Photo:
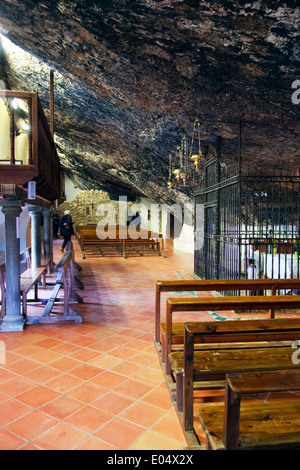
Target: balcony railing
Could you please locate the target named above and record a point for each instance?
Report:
(27, 149)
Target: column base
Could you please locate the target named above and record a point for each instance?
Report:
(9, 325)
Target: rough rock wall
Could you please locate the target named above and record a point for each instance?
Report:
(131, 77)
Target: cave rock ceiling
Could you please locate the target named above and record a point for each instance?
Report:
(131, 77)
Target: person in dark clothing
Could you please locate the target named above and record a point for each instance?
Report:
(56, 219)
(135, 220)
(66, 230)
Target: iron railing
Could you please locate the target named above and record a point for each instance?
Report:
(242, 209)
(38, 159)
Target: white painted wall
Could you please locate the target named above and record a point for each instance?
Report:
(185, 242)
(70, 190)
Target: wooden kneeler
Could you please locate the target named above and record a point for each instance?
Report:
(64, 280)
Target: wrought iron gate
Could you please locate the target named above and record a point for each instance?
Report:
(241, 210)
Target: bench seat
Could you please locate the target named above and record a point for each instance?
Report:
(28, 280)
(191, 366)
(212, 364)
(244, 422)
(262, 427)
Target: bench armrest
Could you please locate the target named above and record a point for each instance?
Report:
(258, 382)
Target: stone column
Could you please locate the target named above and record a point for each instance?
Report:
(13, 319)
(47, 231)
(35, 213)
(51, 230)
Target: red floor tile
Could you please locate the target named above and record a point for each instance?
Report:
(97, 385)
(60, 437)
(16, 386)
(113, 403)
(38, 396)
(11, 410)
(119, 433)
(133, 388)
(87, 392)
(89, 419)
(31, 425)
(92, 443)
(61, 407)
(9, 441)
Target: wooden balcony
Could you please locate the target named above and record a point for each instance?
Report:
(27, 149)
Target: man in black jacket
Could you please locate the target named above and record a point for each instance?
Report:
(66, 230)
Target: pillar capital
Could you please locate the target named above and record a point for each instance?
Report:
(47, 211)
(11, 207)
(35, 210)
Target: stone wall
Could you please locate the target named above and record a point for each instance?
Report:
(84, 208)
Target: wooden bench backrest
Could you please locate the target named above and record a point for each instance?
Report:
(229, 332)
(65, 261)
(25, 256)
(119, 233)
(220, 285)
(242, 331)
(190, 304)
(266, 381)
(249, 383)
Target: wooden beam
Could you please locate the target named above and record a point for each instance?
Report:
(52, 103)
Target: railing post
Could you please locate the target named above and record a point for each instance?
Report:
(30, 160)
(12, 132)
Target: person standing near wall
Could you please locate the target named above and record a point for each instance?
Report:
(56, 219)
(255, 268)
(66, 230)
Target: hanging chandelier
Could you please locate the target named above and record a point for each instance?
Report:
(195, 150)
(170, 182)
(179, 164)
(179, 173)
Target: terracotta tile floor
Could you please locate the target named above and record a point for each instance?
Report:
(96, 384)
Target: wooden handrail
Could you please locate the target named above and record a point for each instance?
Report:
(43, 161)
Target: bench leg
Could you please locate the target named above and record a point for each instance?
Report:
(179, 392)
(208, 446)
(232, 405)
(24, 304)
(36, 291)
(163, 349)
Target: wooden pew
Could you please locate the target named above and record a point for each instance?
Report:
(65, 281)
(192, 366)
(236, 425)
(119, 241)
(46, 260)
(29, 279)
(88, 241)
(166, 331)
(75, 267)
